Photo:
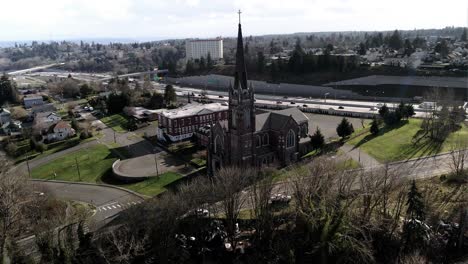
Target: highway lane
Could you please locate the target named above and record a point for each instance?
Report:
(272, 101)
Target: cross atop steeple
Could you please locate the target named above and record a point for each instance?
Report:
(239, 12)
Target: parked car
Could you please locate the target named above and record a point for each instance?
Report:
(293, 103)
(279, 102)
(304, 105)
(220, 96)
(340, 107)
(280, 198)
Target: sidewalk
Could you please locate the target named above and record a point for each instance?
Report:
(360, 156)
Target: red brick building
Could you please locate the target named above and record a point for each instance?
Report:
(181, 123)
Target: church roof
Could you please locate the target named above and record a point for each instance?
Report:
(297, 114)
(276, 120)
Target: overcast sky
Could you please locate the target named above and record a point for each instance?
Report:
(156, 19)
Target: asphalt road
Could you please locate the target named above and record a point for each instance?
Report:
(108, 201)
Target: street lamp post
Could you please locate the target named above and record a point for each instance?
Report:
(156, 163)
(326, 94)
(27, 163)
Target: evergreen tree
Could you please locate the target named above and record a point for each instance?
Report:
(383, 111)
(156, 101)
(409, 49)
(442, 48)
(464, 36)
(85, 90)
(345, 128)
(395, 41)
(414, 229)
(8, 91)
(362, 49)
(209, 61)
(409, 111)
(170, 96)
(419, 42)
(317, 140)
(374, 129)
(260, 62)
(189, 68)
(202, 64)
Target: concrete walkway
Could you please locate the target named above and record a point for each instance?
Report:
(360, 156)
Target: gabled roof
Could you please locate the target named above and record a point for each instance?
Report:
(43, 108)
(34, 97)
(297, 114)
(276, 120)
(62, 125)
(4, 111)
(45, 115)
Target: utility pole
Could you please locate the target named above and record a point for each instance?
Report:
(78, 168)
(29, 169)
(156, 163)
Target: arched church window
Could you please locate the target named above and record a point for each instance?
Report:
(266, 139)
(290, 139)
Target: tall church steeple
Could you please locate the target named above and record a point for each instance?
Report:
(240, 76)
(241, 110)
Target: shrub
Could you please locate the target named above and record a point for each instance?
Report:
(11, 149)
(374, 129)
(345, 128)
(317, 140)
(41, 147)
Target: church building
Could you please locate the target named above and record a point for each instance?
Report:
(251, 137)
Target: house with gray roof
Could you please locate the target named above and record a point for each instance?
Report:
(30, 101)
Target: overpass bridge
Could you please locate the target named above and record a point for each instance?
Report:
(34, 69)
(152, 73)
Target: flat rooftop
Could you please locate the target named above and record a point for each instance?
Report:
(195, 109)
(431, 81)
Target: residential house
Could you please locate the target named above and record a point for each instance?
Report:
(60, 131)
(43, 121)
(142, 114)
(5, 116)
(32, 100)
(43, 108)
(7, 125)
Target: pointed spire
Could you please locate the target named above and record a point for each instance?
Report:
(240, 77)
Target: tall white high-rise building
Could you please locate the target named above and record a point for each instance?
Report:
(196, 49)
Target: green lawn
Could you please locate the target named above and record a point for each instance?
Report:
(95, 167)
(400, 143)
(93, 163)
(118, 122)
(153, 186)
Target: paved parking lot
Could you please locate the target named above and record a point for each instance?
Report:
(328, 124)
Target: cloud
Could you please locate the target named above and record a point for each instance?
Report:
(32, 19)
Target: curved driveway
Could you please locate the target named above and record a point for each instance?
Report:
(109, 201)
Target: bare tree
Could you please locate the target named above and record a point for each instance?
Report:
(324, 204)
(260, 194)
(228, 184)
(458, 156)
(121, 245)
(13, 197)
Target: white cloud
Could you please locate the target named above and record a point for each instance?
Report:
(32, 19)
